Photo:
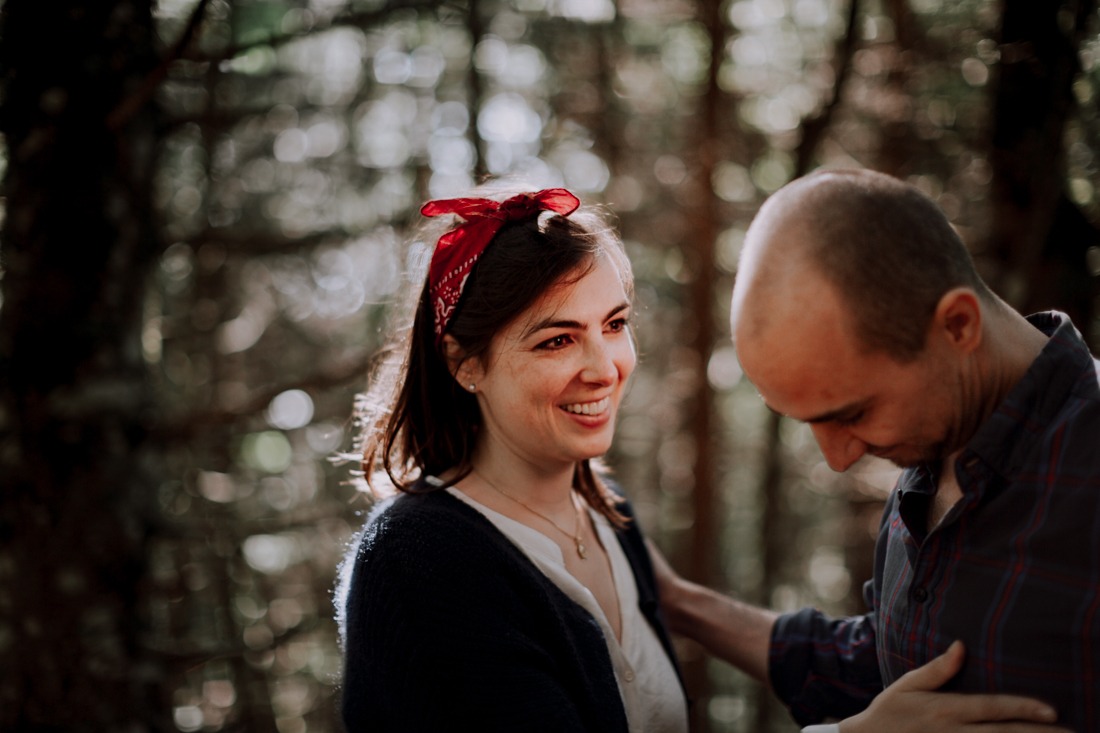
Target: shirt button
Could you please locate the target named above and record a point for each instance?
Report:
(629, 676)
(920, 595)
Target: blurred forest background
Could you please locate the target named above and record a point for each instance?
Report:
(207, 206)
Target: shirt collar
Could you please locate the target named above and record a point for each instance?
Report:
(1002, 440)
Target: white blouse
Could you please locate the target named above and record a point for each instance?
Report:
(650, 689)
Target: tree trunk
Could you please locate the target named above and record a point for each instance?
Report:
(775, 541)
(476, 89)
(1035, 229)
(78, 243)
(705, 544)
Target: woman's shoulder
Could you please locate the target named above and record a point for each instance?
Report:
(412, 545)
(422, 519)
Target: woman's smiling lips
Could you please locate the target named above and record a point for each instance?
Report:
(588, 408)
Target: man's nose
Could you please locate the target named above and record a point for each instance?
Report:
(840, 448)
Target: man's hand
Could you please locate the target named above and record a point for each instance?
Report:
(912, 705)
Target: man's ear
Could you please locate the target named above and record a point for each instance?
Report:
(958, 319)
(465, 370)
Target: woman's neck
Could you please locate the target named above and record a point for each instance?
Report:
(530, 486)
(547, 488)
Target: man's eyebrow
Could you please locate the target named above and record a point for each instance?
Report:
(837, 414)
(550, 323)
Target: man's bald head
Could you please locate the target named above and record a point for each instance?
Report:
(885, 247)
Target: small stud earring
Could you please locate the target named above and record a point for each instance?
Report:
(473, 387)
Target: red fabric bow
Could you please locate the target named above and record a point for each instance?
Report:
(458, 250)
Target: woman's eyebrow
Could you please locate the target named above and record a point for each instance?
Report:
(564, 323)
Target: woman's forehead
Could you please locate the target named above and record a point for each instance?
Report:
(581, 296)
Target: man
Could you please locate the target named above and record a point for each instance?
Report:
(858, 311)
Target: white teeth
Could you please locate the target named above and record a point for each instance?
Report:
(588, 408)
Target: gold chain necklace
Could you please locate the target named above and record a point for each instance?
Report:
(582, 551)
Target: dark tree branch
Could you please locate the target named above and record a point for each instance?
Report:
(235, 529)
(131, 105)
(134, 103)
(475, 88)
(192, 653)
(814, 128)
(771, 480)
(184, 427)
(705, 541)
(1033, 101)
(363, 19)
(256, 244)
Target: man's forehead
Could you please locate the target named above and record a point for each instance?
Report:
(805, 369)
(801, 391)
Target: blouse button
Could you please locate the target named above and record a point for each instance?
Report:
(629, 676)
(920, 595)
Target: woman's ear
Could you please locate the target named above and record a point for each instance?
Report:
(466, 371)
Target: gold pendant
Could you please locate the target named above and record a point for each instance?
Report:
(581, 549)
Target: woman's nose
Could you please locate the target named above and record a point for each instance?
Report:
(599, 365)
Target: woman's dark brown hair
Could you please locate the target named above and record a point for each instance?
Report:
(417, 420)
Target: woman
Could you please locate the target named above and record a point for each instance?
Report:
(507, 587)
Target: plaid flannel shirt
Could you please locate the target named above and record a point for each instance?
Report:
(1013, 570)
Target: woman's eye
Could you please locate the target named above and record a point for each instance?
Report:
(555, 343)
(617, 325)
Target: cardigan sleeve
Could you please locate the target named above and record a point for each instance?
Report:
(447, 630)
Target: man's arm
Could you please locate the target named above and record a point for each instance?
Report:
(740, 634)
(817, 666)
(729, 629)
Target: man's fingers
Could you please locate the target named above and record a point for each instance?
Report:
(991, 708)
(1023, 711)
(993, 713)
(1016, 728)
(936, 673)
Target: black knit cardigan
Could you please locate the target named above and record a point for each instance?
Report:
(447, 625)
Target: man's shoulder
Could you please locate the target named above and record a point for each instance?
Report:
(1079, 420)
(1061, 393)
(1070, 440)
(1083, 402)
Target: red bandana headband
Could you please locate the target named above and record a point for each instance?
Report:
(458, 250)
